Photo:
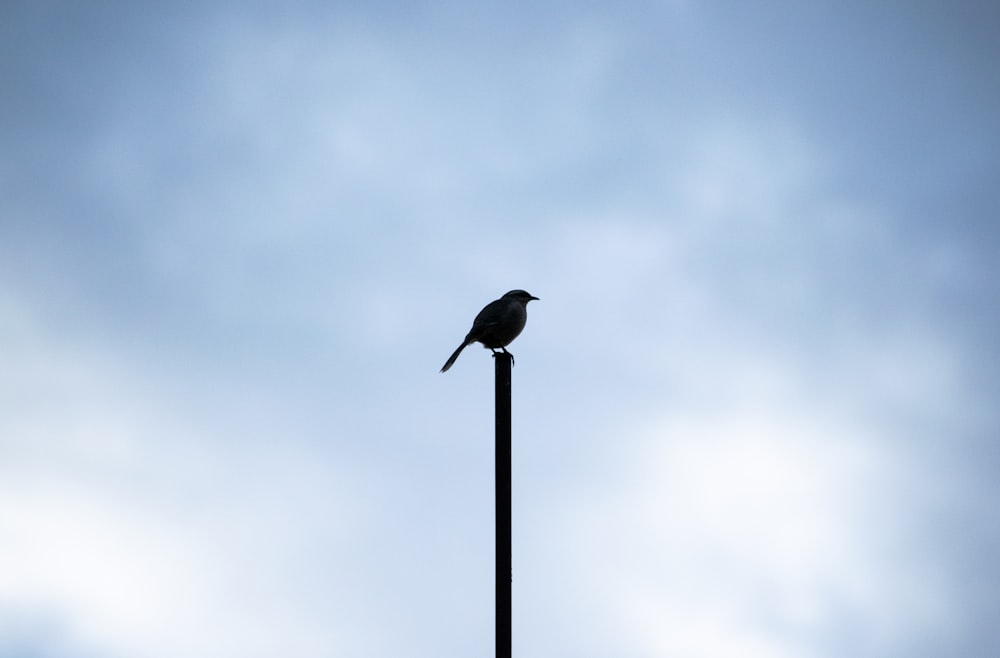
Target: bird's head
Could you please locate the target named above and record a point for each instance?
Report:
(520, 296)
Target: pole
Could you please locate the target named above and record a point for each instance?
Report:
(504, 570)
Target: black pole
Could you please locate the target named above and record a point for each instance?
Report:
(504, 570)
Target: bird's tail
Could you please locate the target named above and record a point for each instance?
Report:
(451, 359)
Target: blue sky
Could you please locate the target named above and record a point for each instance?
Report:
(754, 409)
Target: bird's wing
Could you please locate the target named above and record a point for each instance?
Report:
(492, 314)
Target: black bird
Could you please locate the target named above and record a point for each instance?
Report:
(497, 325)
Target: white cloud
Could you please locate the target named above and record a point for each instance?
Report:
(139, 524)
(753, 516)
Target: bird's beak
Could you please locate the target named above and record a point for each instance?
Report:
(533, 297)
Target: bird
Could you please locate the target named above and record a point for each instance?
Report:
(497, 325)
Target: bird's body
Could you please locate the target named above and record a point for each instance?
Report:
(497, 325)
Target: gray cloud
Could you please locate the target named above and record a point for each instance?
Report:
(237, 242)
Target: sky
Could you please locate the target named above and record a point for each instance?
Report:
(753, 410)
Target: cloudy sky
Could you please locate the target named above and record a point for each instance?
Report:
(754, 411)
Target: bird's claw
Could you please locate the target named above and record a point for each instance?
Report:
(504, 351)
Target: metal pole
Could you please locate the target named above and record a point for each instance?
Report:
(504, 571)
